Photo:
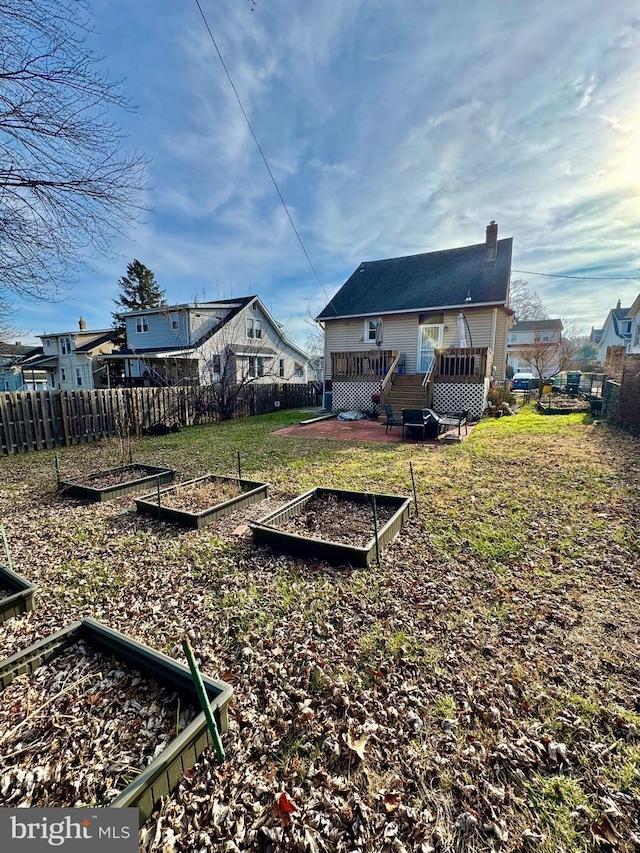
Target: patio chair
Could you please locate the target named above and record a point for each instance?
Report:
(450, 419)
(393, 419)
(415, 419)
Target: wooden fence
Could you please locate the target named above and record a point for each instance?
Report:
(40, 420)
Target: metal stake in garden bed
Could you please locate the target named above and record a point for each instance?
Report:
(204, 699)
(159, 504)
(413, 483)
(375, 528)
(6, 548)
(57, 459)
(239, 467)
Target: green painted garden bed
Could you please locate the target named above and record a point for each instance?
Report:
(249, 492)
(164, 772)
(20, 594)
(116, 482)
(266, 532)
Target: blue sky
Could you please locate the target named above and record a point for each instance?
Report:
(392, 127)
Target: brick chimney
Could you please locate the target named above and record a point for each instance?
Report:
(491, 241)
(82, 323)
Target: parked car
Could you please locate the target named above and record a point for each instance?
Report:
(524, 382)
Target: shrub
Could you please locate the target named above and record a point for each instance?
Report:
(498, 395)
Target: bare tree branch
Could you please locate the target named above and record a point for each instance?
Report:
(67, 188)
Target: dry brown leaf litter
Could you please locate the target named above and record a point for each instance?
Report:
(436, 704)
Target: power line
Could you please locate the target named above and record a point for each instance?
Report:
(581, 277)
(266, 163)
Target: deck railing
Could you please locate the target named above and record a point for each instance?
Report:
(365, 366)
(468, 364)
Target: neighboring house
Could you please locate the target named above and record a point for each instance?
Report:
(616, 331)
(71, 359)
(538, 344)
(634, 315)
(15, 371)
(196, 343)
(434, 325)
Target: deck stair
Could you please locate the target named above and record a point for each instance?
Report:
(406, 392)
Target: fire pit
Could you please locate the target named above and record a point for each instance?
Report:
(299, 527)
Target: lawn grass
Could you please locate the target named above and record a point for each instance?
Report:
(502, 619)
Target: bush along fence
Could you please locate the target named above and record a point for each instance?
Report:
(40, 420)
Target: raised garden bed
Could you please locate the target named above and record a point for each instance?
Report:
(116, 482)
(16, 594)
(333, 525)
(99, 718)
(196, 503)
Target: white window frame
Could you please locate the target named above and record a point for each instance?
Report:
(142, 325)
(65, 345)
(370, 327)
(79, 380)
(63, 374)
(281, 368)
(298, 369)
(254, 328)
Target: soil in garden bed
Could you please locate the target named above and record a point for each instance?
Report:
(115, 477)
(343, 521)
(197, 497)
(6, 591)
(80, 728)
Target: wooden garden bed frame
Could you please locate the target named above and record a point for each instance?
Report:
(265, 531)
(17, 602)
(252, 492)
(162, 775)
(147, 476)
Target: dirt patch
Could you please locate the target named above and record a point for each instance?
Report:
(197, 497)
(327, 517)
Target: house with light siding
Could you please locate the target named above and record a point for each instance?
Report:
(536, 342)
(427, 330)
(616, 331)
(633, 314)
(194, 343)
(16, 372)
(72, 360)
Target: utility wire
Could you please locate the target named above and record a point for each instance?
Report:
(266, 163)
(582, 277)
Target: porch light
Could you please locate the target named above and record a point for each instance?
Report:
(468, 299)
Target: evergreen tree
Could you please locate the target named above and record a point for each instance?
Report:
(138, 290)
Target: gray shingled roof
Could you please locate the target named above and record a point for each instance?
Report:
(619, 314)
(533, 325)
(424, 282)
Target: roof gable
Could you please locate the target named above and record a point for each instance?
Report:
(422, 282)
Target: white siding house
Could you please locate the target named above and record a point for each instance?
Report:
(192, 343)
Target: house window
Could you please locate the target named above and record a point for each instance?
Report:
(142, 324)
(214, 365)
(254, 328)
(63, 374)
(281, 368)
(256, 366)
(65, 346)
(370, 330)
(79, 377)
(636, 340)
(174, 322)
(298, 370)
(47, 343)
